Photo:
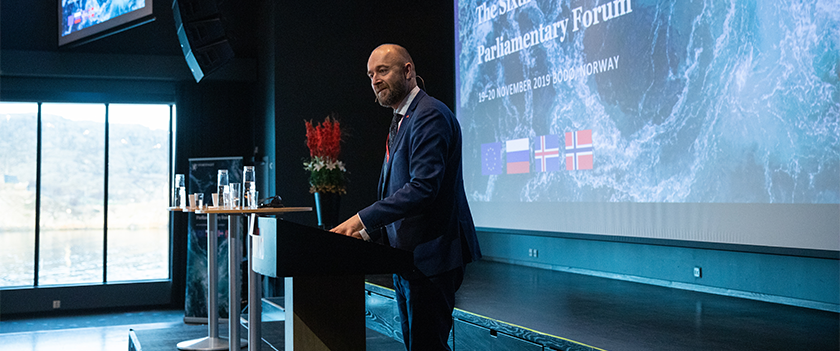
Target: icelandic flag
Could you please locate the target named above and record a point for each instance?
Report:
(547, 153)
(491, 158)
(518, 156)
(579, 150)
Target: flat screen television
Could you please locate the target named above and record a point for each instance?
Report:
(82, 21)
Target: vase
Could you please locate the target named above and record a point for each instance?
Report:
(326, 206)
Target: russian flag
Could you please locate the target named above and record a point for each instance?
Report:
(579, 150)
(518, 156)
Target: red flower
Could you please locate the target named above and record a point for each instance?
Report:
(324, 143)
(324, 139)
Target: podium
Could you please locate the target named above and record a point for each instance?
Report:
(324, 281)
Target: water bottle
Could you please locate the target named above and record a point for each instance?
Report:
(182, 197)
(249, 187)
(222, 181)
(179, 193)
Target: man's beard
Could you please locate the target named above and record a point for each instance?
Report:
(396, 92)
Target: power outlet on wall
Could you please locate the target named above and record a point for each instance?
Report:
(533, 253)
(698, 272)
(56, 303)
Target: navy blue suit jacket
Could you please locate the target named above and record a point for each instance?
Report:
(423, 206)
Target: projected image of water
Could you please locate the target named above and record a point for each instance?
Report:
(80, 14)
(702, 102)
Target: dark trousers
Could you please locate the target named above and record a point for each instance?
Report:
(425, 305)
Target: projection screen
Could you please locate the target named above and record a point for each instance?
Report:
(698, 121)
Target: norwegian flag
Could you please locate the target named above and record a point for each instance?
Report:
(579, 150)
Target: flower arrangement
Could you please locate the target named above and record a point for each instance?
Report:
(326, 171)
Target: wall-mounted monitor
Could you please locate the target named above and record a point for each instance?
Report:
(82, 21)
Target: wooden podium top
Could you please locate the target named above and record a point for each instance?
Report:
(178, 209)
(242, 210)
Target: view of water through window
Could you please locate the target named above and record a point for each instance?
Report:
(18, 163)
(138, 192)
(72, 193)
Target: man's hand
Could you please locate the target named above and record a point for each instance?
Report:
(350, 227)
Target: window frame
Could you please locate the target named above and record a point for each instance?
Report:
(102, 294)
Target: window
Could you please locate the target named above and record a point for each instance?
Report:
(72, 193)
(97, 221)
(138, 191)
(18, 163)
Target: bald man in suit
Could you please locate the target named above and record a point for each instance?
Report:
(422, 204)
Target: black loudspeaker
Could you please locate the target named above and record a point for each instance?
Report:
(202, 32)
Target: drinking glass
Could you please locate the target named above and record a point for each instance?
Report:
(252, 199)
(235, 195)
(227, 202)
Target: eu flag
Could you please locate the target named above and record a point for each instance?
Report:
(491, 158)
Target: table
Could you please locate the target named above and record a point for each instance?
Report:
(254, 283)
(213, 342)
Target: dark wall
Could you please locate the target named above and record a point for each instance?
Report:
(321, 52)
(33, 26)
(140, 65)
(215, 120)
(265, 99)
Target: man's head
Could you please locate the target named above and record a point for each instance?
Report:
(391, 73)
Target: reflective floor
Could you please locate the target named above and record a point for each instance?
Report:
(109, 331)
(89, 332)
(620, 315)
(605, 313)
